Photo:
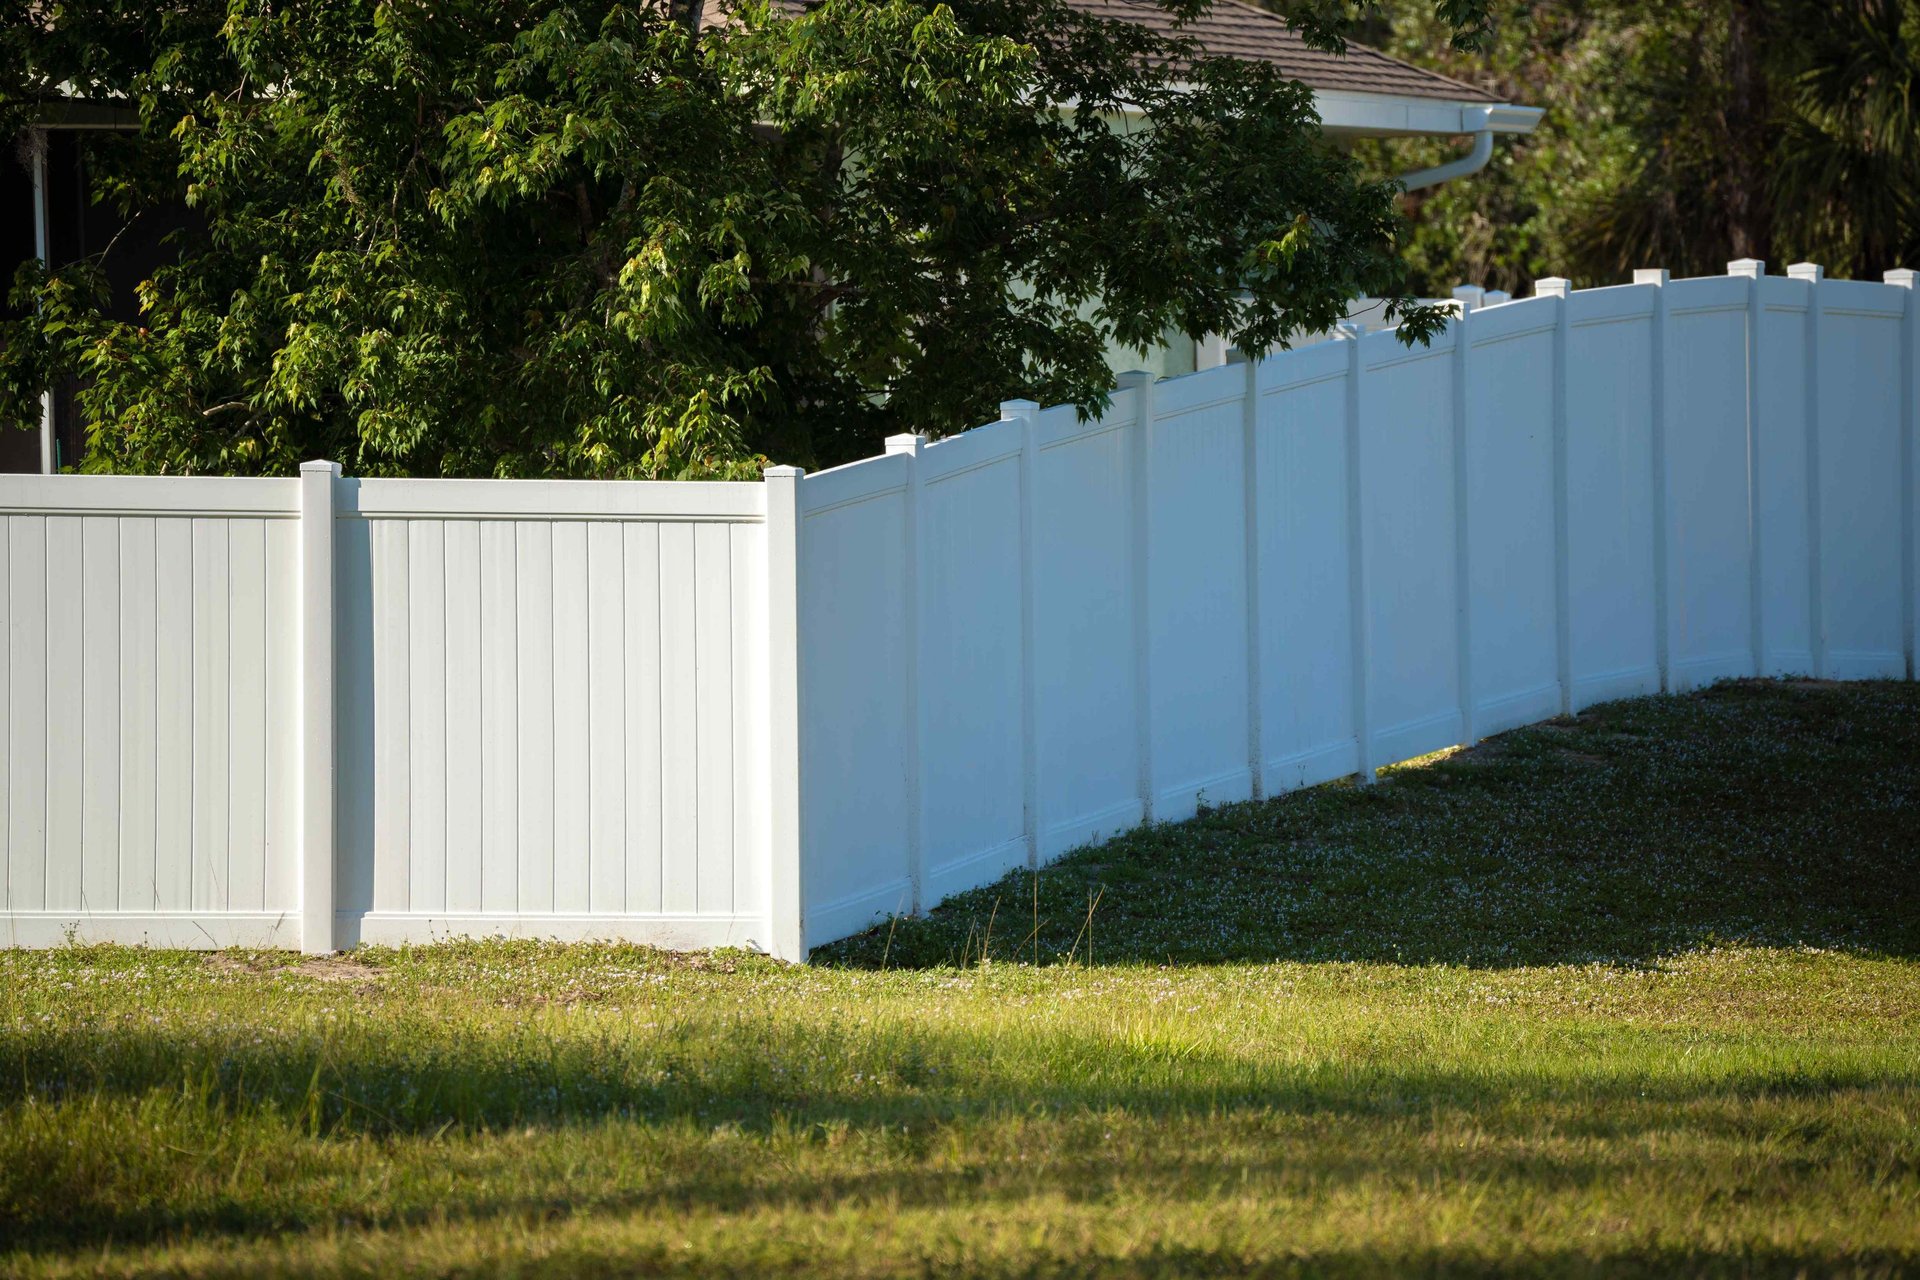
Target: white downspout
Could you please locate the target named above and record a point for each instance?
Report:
(37, 151)
(1472, 162)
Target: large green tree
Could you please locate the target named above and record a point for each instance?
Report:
(573, 237)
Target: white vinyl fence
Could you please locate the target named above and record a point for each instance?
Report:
(323, 711)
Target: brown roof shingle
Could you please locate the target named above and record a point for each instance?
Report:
(1232, 29)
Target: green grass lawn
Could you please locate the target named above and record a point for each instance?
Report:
(1635, 995)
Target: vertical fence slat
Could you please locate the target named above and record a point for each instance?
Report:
(247, 716)
(1251, 468)
(534, 648)
(607, 790)
(317, 705)
(99, 655)
(644, 851)
(1025, 412)
(212, 599)
(1356, 565)
(1904, 278)
(465, 701)
(1816, 538)
(173, 714)
(27, 707)
(1140, 448)
(284, 691)
(1662, 517)
(499, 886)
(388, 549)
(913, 567)
(1561, 290)
(572, 712)
(139, 649)
(786, 885)
(426, 716)
(713, 718)
(1462, 515)
(1753, 270)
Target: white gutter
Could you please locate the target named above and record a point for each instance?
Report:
(37, 151)
(1491, 120)
(1472, 162)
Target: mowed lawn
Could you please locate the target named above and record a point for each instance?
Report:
(1633, 995)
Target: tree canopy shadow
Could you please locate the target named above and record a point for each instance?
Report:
(1227, 1116)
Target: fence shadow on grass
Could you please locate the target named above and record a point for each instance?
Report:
(1757, 812)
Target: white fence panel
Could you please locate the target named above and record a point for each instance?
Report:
(1613, 617)
(972, 736)
(1783, 383)
(548, 708)
(1087, 724)
(151, 657)
(1509, 515)
(857, 820)
(1196, 593)
(1708, 473)
(1859, 477)
(1408, 528)
(1306, 634)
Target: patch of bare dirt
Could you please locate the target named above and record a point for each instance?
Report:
(340, 968)
(337, 968)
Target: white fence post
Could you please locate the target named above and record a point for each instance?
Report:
(1903, 278)
(1754, 271)
(914, 605)
(1356, 564)
(786, 883)
(1250, 507)
(1657, 440)
(1024, 412)
(1141, 437)
(1560, 289)
(318, 766)
(1462, 552)
(1816, 588)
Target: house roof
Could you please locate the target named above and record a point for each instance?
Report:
(1232, 29)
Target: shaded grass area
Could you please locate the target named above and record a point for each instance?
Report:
(1759, 812)
(1716, 1073)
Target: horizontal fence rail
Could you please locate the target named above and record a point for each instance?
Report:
(322, 711)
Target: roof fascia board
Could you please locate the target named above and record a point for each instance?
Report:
(1383, 115)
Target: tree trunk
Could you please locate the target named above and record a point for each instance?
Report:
(1745, 122)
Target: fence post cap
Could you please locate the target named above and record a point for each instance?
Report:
(1552, 287)
(1350, 329)
(783, 473)
(1134, 378)
(1902, 276)
(1010, 409)
(316, 466)
(1655, 276)
(1469, 295)
(906, 442)
(1495, 297)
(1753, 268)
(1807, 271)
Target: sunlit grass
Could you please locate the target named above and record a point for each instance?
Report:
(1710, 1073)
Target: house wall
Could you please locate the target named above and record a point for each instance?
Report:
(324, 711)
